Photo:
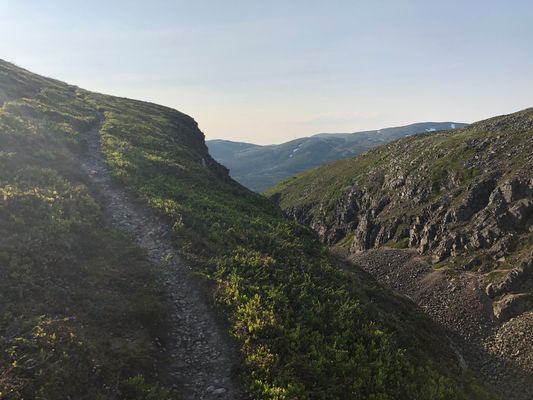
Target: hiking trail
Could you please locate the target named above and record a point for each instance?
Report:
(200, 353)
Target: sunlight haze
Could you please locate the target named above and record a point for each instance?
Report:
(268, 72)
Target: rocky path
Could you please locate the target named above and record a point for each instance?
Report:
(501, 353)
(200, 354)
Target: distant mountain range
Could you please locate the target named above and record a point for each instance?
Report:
(261, 167)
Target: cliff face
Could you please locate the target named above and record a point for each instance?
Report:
(464, 198)
(489, 216)
(446, 220)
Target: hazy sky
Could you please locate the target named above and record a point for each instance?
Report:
(269, 71)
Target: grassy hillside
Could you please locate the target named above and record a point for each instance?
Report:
(464, 193)
(79, 313)
(306, 329)
(261, 167)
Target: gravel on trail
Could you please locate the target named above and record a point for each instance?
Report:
(201, 355)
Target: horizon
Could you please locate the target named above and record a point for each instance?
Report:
(270, 73)
(348, 133)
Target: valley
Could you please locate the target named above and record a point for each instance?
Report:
(253, 200)
(166, 279)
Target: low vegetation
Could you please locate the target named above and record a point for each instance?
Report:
(306, 328)
(80, 312)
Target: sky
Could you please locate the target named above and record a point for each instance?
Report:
(271, 71)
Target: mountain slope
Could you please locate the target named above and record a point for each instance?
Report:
(462, 199)
(305, 328)
(261, 167)
(80, 316)
(444, 193)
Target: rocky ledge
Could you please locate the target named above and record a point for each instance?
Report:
(463, 198)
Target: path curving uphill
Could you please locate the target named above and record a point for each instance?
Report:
(200, 353)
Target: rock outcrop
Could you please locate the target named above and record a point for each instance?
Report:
(489, 217)
(511, 305)
(516, 279)
(462, 198)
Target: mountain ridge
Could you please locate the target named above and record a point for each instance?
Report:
(262, 166)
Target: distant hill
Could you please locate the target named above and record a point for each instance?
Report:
(261, 167)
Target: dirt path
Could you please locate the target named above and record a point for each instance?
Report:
(200, 353)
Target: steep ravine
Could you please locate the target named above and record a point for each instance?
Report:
(454, 193)
(462, 198)
(447, 220)
(200, 356)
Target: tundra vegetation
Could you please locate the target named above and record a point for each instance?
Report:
(80, 312)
